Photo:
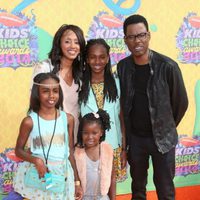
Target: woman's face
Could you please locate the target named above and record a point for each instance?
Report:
(97, 58)
(70, 45)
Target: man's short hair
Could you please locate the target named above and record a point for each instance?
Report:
(135, 19)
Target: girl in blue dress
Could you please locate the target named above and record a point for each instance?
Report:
(48, 129)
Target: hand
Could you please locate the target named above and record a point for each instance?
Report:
(78, 192)
(123, 158)
(41, 167)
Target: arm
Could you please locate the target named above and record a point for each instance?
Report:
(123, 153)
(178, 95)
(24, 132)
(112, 190)
(78, 189)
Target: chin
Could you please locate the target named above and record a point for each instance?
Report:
(138, 54)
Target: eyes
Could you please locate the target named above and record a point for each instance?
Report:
(71, 42)
(48, 90)
(94, 133)
(140, 36)
(100, 57)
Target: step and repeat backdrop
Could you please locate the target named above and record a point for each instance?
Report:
(26, 31)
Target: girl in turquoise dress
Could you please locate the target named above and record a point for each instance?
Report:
(100, 90)
(48, 129)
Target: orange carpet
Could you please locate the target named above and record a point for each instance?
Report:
(182, 193)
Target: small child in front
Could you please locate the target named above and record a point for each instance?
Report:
(94, 157)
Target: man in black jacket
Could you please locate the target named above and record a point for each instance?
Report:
(153, 100)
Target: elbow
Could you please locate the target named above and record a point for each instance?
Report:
(17, 152)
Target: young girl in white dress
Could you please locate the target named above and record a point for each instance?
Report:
(48, 129)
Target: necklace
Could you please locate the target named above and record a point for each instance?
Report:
(46, 156)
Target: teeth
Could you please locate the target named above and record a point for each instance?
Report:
(72, 52)
(138, 48)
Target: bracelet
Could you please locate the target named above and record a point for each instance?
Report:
(77, 183)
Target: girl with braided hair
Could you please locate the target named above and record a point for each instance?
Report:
(100, 90)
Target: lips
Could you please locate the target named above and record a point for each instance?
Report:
(97, 67)
(72, 52)
(90, 142)
(51, 102)
(138, 48)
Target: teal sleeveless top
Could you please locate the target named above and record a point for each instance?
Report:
(59, 148)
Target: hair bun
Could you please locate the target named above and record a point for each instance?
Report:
(104, 116)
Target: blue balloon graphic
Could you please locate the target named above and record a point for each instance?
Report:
(117, 9)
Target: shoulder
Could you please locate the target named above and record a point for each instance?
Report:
(79, 151)
(158, 57)
(125, 60)
(68, 116)
(123, 63)
(27, 122)
(106, 147)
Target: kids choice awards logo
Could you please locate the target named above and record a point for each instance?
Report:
(18, 40)
(187, 156)
(188, 39)
(8, 165)
(109, 28)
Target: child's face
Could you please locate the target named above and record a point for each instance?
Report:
(70, 45)
(49, 93)
(97, 58)
(91, 134)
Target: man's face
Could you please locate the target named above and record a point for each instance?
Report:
(137, 39)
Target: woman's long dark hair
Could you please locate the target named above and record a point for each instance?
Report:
(110, 88)
(56, 52)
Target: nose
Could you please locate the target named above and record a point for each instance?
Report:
(73, 44)
(51, 94)
(90, 136)
(137, 39)
(97, 61)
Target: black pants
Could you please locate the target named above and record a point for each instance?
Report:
(141, 148)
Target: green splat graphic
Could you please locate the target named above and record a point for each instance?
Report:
(44, 43)
(196, 131)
